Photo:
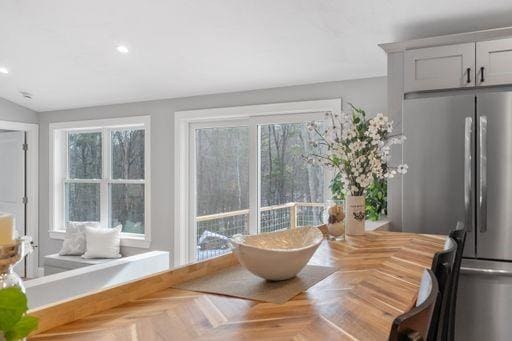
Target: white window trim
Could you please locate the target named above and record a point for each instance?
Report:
(183, 210)
(57, 167)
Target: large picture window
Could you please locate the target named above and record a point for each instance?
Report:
(100, 171)
(289, 192)
(241, 170)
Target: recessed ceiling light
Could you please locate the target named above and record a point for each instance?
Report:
(122, 49)
(4, 70)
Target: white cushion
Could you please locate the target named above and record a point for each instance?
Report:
(102, 243)
(74, 239)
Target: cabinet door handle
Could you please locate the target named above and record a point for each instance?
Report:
(482, 78)
(468, 75)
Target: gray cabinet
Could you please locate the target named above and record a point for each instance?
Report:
(440, 67)
(465, 65)
(494, 62)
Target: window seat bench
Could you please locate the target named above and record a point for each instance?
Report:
(56, 263)
(91, 275)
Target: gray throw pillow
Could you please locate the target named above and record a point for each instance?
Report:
(74, 243)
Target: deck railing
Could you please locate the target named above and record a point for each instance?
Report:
(213, 230)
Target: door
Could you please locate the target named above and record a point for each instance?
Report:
(12, 181)
(437, 189)
(494, 62)
(440, 67)
(494, 157)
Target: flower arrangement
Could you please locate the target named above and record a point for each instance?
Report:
(356, 148)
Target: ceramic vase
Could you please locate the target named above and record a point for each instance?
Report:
(355, 215)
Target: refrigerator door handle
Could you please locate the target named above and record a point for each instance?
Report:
(482, 198)
(468, 183)
(480, 271)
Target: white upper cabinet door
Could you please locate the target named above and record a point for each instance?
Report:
(494, 62)
(440, 67)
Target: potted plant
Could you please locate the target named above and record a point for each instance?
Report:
(15, 324)
(358, 150)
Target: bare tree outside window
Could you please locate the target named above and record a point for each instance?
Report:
(287, 180)
(291, 190)
(222, 170)
(84, 164)
(222, 177)
(285, 175)
(128, 154)
(83, 202)
(125, 183)
(127, 207)
(84, 155)
(127, 199)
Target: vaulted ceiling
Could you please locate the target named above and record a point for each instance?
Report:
(64, 52)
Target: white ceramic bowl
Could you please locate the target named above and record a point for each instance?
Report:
(277, 256)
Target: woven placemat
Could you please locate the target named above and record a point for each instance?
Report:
(238, 282)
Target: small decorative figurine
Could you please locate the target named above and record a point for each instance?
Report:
(335, 224)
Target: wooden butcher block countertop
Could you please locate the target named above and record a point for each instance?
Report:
(377, 279)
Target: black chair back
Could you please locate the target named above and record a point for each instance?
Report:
(459, 235)
(415, 324)
(442, 267)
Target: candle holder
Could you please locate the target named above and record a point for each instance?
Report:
(10, 255)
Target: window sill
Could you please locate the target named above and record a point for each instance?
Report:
(126, 239)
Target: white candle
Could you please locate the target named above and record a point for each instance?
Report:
(6, 228)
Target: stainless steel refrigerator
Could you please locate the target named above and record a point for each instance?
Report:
(459, 152)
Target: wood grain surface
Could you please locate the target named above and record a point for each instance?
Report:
(377, 279)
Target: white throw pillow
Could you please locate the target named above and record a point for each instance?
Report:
(102, 243)
(74, 239)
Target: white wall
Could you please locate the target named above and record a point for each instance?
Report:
(370, 93)
(10, 111)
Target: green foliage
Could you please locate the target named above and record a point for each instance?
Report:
(13, 305)
(376, 199)
(22, 328)
(336, 187)
(14, 323)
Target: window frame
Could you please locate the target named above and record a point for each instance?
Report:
(184, 157)
(59, 175)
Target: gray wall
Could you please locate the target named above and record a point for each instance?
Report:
(370, 93)
(10, 111)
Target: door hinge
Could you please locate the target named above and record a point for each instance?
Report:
(25, 146)
(24, 200)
